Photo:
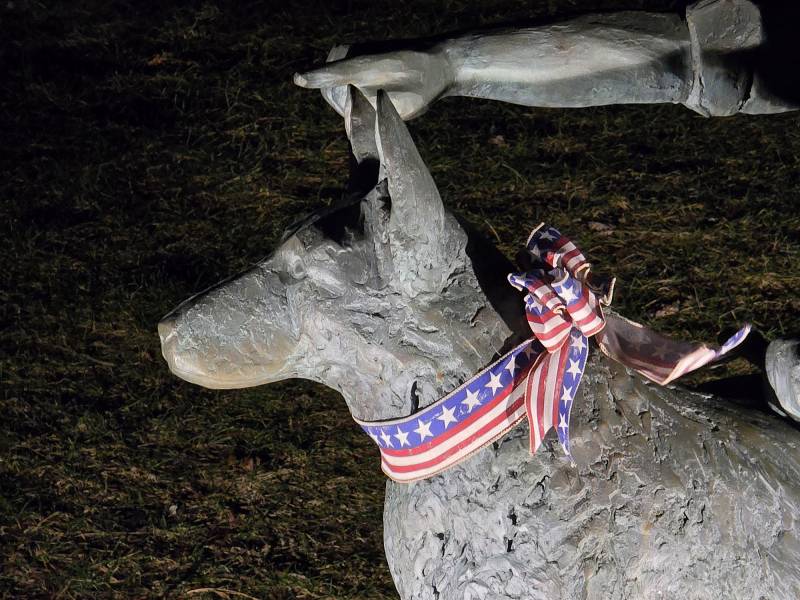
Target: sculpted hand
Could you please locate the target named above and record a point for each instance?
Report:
(413, 79)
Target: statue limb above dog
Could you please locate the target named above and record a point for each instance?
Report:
(722, 58)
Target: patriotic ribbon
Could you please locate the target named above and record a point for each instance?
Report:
(539, 378)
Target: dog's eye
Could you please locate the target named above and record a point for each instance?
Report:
(296, 269)
(292, 270)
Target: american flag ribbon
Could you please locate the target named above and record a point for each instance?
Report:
(539, 378)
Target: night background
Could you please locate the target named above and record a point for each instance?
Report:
(152, 149)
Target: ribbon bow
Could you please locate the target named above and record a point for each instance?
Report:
(564, 308)
(563, 312)
(540, 377)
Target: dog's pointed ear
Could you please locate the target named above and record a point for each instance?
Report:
(416, 224)
(359, 123)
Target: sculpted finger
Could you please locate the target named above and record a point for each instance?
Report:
(386, 71)
(331, 75)
(337, 53)
(336, 97)
(359, 123)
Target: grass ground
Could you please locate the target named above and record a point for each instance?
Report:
(150, 149)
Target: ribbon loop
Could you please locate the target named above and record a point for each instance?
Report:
(548, 325)
(551, 247)
(547, 314)
(582, 305)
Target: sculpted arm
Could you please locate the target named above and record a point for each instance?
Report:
(606, 59)
(708, 61)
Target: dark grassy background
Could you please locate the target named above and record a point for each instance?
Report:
(150, 149)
